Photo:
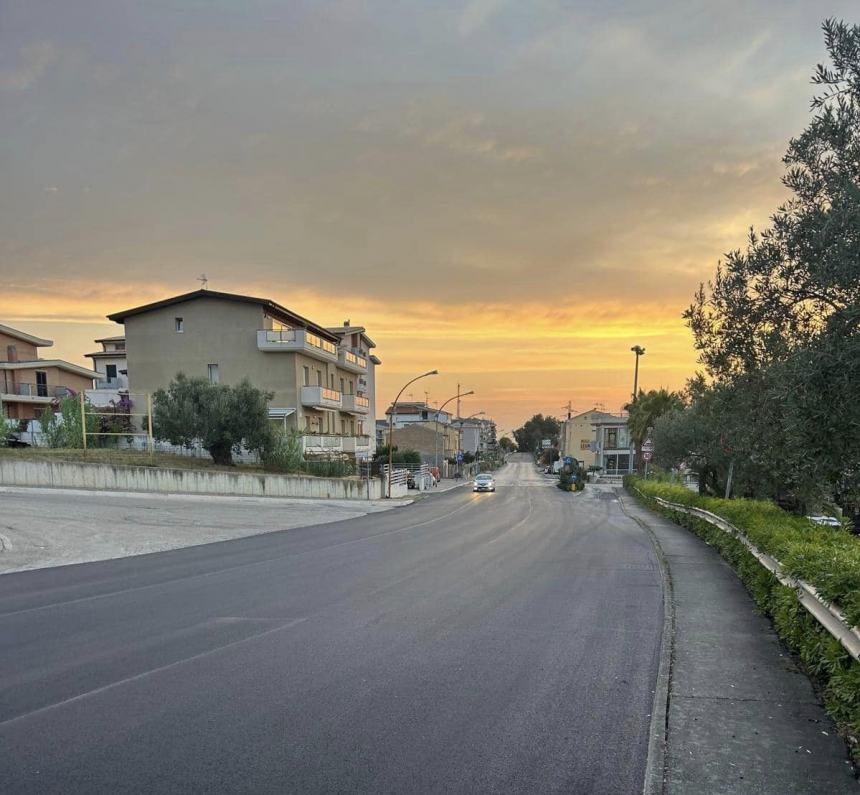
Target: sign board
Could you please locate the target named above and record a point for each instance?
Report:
(647, 446)
(459, 458)
(546, 443)
(647, 455)
(568, 460)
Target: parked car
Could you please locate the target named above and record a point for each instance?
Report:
(484, 482)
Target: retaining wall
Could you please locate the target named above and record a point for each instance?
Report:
(59, 474)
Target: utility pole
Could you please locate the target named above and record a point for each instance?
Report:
(639, 351)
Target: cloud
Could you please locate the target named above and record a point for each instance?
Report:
(34, 61)
(476, 14)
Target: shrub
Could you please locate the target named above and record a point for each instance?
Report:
(62, 425)
(285, 452)
(398, 456)
(826, 557)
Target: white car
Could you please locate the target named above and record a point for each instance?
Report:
(826, 521)
(484, 483)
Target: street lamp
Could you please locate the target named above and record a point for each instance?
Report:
(391, 420)
(639, 351)
(438, 412)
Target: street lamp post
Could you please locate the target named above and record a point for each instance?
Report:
(639, 351)
(438, 412)
(391, 422)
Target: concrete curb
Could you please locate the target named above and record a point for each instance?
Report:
(655, 766)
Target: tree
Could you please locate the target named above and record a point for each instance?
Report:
(222, 418)
(778, 329)
(535, 430)
(646, 408)
(506, 444)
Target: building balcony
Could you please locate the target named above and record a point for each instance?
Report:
(354, 362)
(297, 340)
(355, 404)
(360, 445)
(120, 382)
(317, 443)
(33, 393)
(320, 397)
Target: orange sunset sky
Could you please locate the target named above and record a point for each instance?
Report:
(513, 193)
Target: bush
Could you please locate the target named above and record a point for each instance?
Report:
(62, 425)
(222, 418)
(826, 557)
(285, 452)
(398, 456)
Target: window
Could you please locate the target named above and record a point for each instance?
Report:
(612, 438)
(214, 376)
(342, 390)
(41, 383)
(307, 371)
(179, 324)
(110, 372)
(319, 378)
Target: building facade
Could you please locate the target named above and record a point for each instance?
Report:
(434, 443)
(110, 363)
(28, 384)
(322, 379)
(598, 439)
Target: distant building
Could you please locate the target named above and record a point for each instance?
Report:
(477, 435)
(434, 443)
(110, 363)
(322, 379)
(598, 438)
(29, 384)
(416, 412)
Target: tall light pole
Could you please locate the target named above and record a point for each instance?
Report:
(439, 411)
(391, 422)
(639, 351)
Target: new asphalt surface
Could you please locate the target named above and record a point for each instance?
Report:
(501, 642)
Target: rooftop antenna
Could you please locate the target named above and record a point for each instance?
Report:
(569, 408)
(204, 282)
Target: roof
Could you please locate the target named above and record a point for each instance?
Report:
(600, 416)
(346, 329)
(412, 407)
(39, 342)
(106, 354)
(272, 308)
(58, 363)
(120, 338)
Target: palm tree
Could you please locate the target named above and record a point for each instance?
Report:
(646, 408)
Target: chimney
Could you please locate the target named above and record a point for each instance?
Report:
(346, 324)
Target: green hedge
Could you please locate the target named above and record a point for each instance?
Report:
(828, 558)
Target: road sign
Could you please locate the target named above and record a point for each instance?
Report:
(568, 460)
(647, 455)
(647, 446)
(459, 458)
(546, 443)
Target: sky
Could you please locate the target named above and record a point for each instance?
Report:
(513, 193)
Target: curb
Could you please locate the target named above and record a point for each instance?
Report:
(655, 766)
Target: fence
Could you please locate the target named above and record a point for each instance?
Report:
(827, 615)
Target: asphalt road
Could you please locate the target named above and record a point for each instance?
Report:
(501, 642)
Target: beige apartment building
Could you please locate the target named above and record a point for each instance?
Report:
(28, 384)
(598, 438)
(322, 379)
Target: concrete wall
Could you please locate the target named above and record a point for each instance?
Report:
(183, 481)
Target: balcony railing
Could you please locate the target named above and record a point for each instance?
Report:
(296, 339)
(350, 360)
(120, 382)
(27, 390)
(321, 397)
(322, 442)
(356, 444)
(356, 403)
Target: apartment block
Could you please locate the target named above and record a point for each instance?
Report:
(598, 439)
(322, 378)
(29, 384)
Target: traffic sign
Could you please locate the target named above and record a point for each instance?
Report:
(647, 455)
(459, 458)
(568, 460)
(647, 446)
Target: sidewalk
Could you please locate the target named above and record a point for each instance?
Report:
(741, 716)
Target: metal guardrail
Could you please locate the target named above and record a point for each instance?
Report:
(826, 614)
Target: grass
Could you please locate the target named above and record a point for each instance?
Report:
(828, 558)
